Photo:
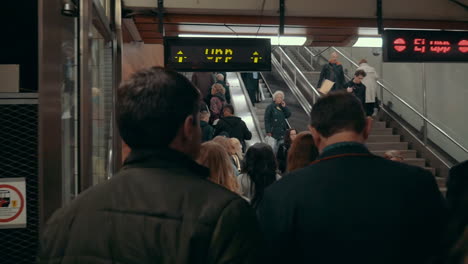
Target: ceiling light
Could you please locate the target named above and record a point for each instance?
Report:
(275, 40)
(367, 42)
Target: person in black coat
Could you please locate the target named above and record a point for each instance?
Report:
(282, 155)
(275, 117)
(356, 87)
(332, 71)
(233, 126)
(351, 206)
(207, 129)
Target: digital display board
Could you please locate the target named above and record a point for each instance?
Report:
(425, 46)
(217, 54)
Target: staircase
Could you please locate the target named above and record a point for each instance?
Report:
(383, 139)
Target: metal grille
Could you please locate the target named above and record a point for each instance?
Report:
(19, 158)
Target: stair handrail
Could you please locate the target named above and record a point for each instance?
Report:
(297, 70)
(408, 105)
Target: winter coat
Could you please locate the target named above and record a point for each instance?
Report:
(160, 208)
(203, 81)
(370, 81)
(359, 90)
(353, 207)
(282, 157)
(235, 128)
(275, 120)
(333, 72)
(207, 131)
(217, 103)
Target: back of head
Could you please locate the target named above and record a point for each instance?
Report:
(217, 88)
(235, 147)
(260, 166)
(216, 158)
(338, 112)
(302, 152)
(205, 115)
(228, 110)
(153, 105)
(223, 141)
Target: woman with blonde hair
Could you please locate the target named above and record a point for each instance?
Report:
(214, 156)
(225, 142)
(235, 150)
(302, 152)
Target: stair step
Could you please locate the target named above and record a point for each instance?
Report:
(432, 170)
(384, 138)
(382, 131)
(415, 162)
(388, 146)
(379, 124)
(407, 154)
(441, 181)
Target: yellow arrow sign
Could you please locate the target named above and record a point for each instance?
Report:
(180, 52)
(255, 53)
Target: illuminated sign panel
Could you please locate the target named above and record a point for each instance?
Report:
(217, 54)
(425, 46)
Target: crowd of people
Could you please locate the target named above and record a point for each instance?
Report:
(321, 198)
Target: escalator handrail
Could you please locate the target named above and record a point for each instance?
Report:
(283, 54)
(409, 106)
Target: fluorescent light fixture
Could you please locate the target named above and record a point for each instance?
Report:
(275, 40)
(367, 42)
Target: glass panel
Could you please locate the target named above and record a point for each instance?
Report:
(70, 109)
(101, 66)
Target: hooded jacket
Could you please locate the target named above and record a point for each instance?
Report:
(235, 128)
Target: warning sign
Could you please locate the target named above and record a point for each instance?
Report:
(12, 203)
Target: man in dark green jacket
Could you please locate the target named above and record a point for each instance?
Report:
(276, 115)
(160, 208)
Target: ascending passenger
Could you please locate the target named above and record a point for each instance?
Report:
(233, 126)
(332, 71)
(216, 158)
(217, 101)
(282, 154)
(275, 118)
(207, 129)
(370, 81)
(356, 87)
(235, 151)
(203, 81)
(221, 79)
(160, 208)
(302, 152)
(258, 172)
(351, 206)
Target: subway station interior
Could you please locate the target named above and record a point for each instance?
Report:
(62, 61)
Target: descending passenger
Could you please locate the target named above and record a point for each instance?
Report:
(207, 129)
(160, 208)
(356, 87)
(282, 154)
(394, 155)
(258, 172)
(275, 118)
(370, 81)
(217, 101)
(216, 158)
(233, 126)
(302, 152)
(332, 71)
(235, 151)
(350, 206)
(221, 79)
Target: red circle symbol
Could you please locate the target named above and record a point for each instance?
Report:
(463, 46)
(6, 220)
(399, 44)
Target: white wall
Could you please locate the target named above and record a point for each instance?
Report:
(447, 95)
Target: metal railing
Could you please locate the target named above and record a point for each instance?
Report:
(383, 87)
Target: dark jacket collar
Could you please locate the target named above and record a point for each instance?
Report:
(344, 148)
(163, 158)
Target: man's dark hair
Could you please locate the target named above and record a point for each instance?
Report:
(361, 73)
(152, 105)
(229, 107)
(336, 113)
